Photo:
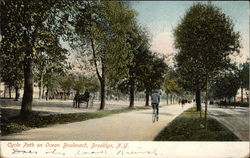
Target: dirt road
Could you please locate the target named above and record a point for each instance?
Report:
(236, 119)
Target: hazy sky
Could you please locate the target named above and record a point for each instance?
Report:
(160, 17)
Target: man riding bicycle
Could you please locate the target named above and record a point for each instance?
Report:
(155, 101)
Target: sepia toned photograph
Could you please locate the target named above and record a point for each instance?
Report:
(119, 72)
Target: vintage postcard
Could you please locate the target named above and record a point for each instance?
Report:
(153, 79)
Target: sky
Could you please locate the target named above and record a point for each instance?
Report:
(161, 17)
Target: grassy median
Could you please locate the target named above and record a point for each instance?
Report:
(190, 127)
(18, 124)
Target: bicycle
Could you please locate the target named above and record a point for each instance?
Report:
(155, 116)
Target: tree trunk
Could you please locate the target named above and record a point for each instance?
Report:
(43, 91)
(17, 93)
(28, 88)
(103, 86)
(101, 78)
(64, 95)
(0, 84)
(9, 91)
(40, 92)
(132, 93)
(147, 98)
(198, 99)
(167, 98)
(5, 89)
(247, 95)
(102, 94)
(47, 94)
(40, 86)
(206, 102)
(171, 98)
(241, 88)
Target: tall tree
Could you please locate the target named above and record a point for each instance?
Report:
(66, 84)
(79, 83)
(243, 77)
(21, 24)
(206, 37)
(152, 76)
(140, 49)
(191, 76)
(104, 27)
(50, 54)
(11, 72)
(225, 85)
(171, 86)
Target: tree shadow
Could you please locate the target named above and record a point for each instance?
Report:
(160, 113)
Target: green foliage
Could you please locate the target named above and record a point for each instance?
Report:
(148, 72)
(104, 27)
(31, 31)
(92, 85)
(79, 84)
(82, 83)
(26, 25)
(66, 83)
(51, 76)
(153, 76)
(147, 68)
(204, 38)
(190, 127)
(243, 75)
(225, 86)
(171, 85)
(11, 71)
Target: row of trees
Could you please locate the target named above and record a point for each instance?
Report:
(106, 33)
(108, 36)
(31, 33)
(226, 85)
(119, 47)
(71, 82)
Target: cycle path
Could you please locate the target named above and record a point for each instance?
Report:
(130, 126)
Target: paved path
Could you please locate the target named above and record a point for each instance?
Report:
(11, 108)
(131, 126)
(236, 119)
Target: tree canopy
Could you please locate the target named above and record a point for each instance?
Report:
(26, 28)
(224, 86)
(105, 28)
(204, 38)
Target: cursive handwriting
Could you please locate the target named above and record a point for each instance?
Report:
(55, 152)
(81, 152)
(16, 151)
(122, 152)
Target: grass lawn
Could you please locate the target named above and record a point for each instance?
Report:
(190, 127)
(18, 124)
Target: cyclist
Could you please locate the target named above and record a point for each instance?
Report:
(155, 101)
